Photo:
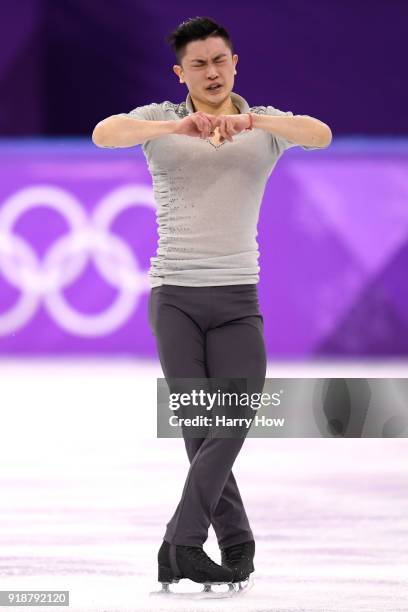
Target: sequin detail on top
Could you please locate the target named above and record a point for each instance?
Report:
(171, 194)
(180, 109)
(259, 110)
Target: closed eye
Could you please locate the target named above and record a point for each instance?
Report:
(216, 61)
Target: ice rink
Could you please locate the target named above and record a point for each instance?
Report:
(87, 488)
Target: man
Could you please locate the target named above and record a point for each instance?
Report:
(209, 158)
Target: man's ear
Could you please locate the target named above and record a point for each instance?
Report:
(178, 71)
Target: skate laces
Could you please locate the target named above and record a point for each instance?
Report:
(198, 554)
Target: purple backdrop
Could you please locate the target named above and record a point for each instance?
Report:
(77, 229)
(66, 65)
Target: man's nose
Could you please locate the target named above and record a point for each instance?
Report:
(212, 71)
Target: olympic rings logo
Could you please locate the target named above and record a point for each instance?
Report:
(41, 281)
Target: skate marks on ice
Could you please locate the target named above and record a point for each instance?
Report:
(209, 590)
(330, 527)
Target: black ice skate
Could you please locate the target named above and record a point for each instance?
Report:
(240, 559)
(178, 562)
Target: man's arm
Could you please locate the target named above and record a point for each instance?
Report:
(123, 131)
(301, 129)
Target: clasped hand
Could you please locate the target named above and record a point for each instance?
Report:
(228, 125)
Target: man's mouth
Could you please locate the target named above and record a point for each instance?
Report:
(214, 87)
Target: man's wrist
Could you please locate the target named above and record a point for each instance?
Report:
(256, 120)
(173, 126)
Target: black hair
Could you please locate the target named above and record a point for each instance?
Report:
(196, 28)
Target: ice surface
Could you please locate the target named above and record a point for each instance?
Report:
(87, 488)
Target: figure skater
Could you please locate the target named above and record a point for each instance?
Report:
(210, 157)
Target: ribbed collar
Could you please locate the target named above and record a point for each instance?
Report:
(238, 100)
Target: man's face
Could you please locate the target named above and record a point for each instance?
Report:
(208, 62)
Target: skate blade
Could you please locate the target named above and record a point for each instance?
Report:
(243, 586)
(234, 589)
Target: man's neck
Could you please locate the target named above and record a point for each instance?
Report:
(226, 108)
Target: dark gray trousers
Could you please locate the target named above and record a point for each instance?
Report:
(209, 332)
